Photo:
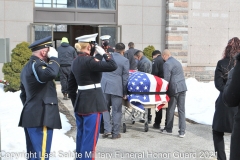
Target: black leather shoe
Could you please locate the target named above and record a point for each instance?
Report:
(156, 126)
(116, 136)
(149, 119)
(105, 135)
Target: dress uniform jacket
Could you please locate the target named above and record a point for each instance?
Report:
(86, 70)
(39, 99)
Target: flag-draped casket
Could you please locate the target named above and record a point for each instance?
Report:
(146, 89)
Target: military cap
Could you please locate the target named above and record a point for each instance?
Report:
(105, 37)
(41, 43)
(87, 38)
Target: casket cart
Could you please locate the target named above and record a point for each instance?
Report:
(134, 114)
(144, 91)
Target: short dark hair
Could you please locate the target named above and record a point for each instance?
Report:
(137, 53)
(119, 47)
(156, 52)
(131, 45)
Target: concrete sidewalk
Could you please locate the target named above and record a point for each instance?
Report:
(152, 145)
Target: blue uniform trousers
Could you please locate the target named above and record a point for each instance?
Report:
(38, 141)
(88, 127)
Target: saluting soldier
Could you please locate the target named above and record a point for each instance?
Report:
(89, 101)
(105, 43)
(40, 114)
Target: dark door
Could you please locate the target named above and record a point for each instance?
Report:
(77, 30)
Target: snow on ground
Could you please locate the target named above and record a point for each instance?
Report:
(200, 101)
(199, 107)
(13, 137)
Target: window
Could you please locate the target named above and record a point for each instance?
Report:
(91, 4)
(63, 3)
(60, 28)
(108, 4)
(112, 32)
(42, 31)
(87, 3)
(43, 3)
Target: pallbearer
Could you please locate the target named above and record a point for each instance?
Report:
(86, 93)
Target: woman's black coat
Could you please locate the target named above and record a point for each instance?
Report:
(223, 116)
(231, 97)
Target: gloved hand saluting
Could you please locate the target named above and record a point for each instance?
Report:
(100, 50)
(52, 52)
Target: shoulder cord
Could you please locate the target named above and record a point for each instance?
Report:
(35, 73)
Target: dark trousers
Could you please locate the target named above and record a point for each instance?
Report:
(87, 135)
(158, 117)
(219, 146)
(64, 75)
(116, 103)
(38, 142)
(179, 101)
(149, 114)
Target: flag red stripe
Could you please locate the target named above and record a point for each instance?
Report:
(158, 88)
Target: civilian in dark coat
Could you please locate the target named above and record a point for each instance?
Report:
(40, 114)
(157, 70)
(129, 54)
(223, 116)
(231, 97)
(66, 55)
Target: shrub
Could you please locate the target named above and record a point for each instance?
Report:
(11, 70)
(148, 51)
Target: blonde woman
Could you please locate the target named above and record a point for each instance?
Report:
(88, 102)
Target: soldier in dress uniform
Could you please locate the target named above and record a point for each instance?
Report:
(105, 44)
(88, 102)
(40, 114)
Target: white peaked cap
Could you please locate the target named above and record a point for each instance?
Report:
(87, 38)
(105, 37)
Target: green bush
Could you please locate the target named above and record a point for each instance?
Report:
(11, 70)
(148, 51)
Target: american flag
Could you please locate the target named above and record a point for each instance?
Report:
(144, 89)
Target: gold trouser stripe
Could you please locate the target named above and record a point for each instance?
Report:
(44, 142)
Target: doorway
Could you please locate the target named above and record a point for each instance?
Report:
(72, 32)
(57, 31)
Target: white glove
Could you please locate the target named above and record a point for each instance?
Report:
(52, 52)
(100, 50)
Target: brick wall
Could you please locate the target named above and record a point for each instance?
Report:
(177, 39)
